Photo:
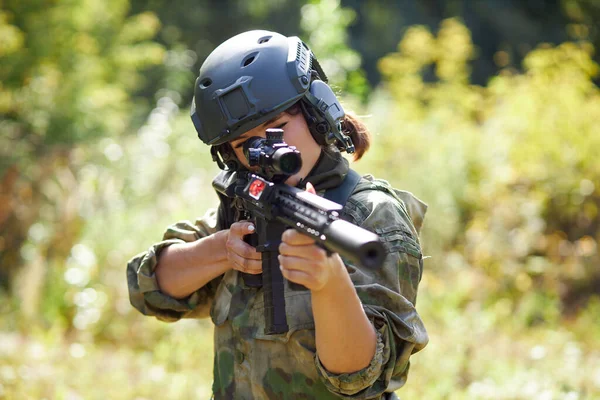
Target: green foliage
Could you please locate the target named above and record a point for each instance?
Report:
(67, 72)
(325, 25)
(67, 76)
(508, 171)
(192, 29)
(512, 176)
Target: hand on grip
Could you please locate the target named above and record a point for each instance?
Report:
(240, 254)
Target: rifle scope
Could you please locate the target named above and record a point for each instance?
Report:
(272, 155)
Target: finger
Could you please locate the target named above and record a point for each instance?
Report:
(308, 251)
(296, 238)
(241, 228)
(310, 188)
(244, 264)
(292, 263)
(242, 248)
(299, 277)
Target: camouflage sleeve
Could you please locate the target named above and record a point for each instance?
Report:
(144, 292)
(388, 295)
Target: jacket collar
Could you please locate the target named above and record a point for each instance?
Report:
(329, 171)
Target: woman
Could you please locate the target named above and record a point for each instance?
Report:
(352, 331)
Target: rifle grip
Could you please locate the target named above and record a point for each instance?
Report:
(252, 280)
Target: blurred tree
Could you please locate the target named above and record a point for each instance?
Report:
(324, 24)
(504, 31)
(192, 29)
(584, 17)
(512, 167)
(66, 74)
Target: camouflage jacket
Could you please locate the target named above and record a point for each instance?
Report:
(251, 365)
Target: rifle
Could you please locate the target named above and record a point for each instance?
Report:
(274, 207)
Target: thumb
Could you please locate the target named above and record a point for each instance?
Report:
(310, 188)
(241, 228)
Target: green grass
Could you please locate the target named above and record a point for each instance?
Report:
(467, 358)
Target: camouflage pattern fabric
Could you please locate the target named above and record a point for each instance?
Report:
(249, 364)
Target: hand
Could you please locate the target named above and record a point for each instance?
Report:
(303, 262)
(241, 255)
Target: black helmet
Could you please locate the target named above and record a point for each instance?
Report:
(256, 75)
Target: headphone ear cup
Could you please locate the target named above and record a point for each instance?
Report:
(312, 121)
(322, 128)
(325, 112)
(325, 102)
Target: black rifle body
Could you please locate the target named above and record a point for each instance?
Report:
(275, 207)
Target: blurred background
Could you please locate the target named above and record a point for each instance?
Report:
(489, 111)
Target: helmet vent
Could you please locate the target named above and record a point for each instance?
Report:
(302, 57)
(249, 59)
(205, 83)
(264, 39)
